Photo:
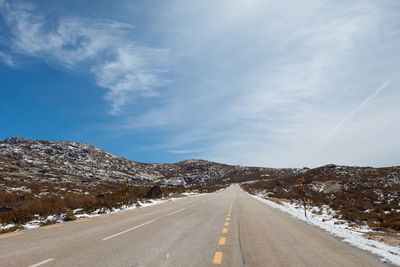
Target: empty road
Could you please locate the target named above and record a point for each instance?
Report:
(227, 228)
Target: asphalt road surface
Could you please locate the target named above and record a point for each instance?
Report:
(227, 228)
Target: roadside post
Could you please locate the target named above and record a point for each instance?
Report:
(303, 182)
(126, 193)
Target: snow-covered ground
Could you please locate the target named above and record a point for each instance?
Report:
(60, 218)
(323, 218)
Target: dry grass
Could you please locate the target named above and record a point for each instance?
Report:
(43, 199)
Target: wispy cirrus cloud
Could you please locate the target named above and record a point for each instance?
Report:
(355, 111)
(272, 79)
(123, 68)
(185, 151)
(8, 60)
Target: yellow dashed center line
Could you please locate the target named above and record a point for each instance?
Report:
(13, 234)
(217, 258)
(222, 240)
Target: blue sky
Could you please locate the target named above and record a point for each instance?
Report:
(264, 83)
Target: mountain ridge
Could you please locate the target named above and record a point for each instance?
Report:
(67, 161)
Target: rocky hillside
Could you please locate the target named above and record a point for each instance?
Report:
(361, 195)
(28, 161)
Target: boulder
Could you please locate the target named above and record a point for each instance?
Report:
(333, 188)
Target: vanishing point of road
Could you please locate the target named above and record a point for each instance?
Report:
(226, 228)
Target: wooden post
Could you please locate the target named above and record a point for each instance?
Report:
(126, 193)
(304, 196)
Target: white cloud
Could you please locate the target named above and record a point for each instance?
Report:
(7, 59)
(252, 82)
(124, 69)
(265, 82)
(351, 114)
(189, 151)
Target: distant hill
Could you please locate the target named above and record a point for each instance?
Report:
(79, 163)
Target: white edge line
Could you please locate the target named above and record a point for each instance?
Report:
(202, 201)
(41, 263)
(193, 205)
(175, 212)
(130, 229)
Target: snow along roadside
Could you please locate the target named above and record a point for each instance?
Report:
(355, 238)
(150, 202)
(59, 218)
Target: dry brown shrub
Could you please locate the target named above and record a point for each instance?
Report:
(73, 200)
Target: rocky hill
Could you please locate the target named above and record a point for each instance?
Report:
(22, 159)
(361, 195)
